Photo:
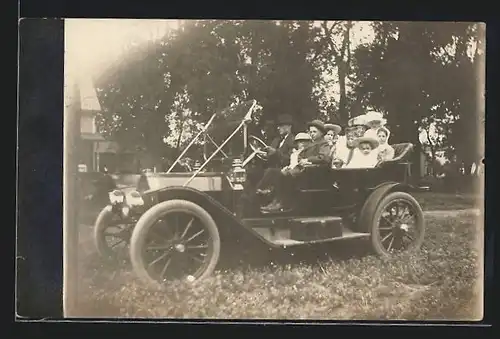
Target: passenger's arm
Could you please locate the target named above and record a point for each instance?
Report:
(390, 153)
(323, 156)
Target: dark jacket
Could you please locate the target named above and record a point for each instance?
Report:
(281, 157)
(318, 152)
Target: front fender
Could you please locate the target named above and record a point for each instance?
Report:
(223, 217)
(374, 198)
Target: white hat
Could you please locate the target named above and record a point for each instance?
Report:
(358, 120)
(334, 127)
(375, 116)
(302, 137)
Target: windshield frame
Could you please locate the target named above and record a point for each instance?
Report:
(243, 124)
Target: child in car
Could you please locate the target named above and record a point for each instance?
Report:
(302, 140)
(364, 155)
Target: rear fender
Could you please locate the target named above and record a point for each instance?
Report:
(227, 222)
(374, 198)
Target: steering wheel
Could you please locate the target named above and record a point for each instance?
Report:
(256, 144)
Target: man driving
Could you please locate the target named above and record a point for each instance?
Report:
(278, 153)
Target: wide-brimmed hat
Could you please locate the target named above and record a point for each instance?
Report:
(359, 120)
(318, 124)
(375, 116)
(372, 141)
(333, 127)
(357, 130)
(284, 119)
(302, 137)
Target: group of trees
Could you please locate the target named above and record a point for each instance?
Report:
(426, 77)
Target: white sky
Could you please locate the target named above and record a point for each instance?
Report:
(97, 43)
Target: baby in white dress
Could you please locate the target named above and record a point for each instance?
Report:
(364, 155)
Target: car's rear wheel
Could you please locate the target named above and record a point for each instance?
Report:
(397, 225)
(112, 235)
(175, 240)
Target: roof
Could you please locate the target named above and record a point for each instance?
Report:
(110, 147)
(91, 136)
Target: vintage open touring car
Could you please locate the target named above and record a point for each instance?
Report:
(173, 224)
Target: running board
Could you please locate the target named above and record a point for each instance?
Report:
(278, 222)
(347, 234)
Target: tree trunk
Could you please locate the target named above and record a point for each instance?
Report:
(343, 113)
(433, 153)
(343, 65)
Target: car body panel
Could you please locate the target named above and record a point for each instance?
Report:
(320, 192)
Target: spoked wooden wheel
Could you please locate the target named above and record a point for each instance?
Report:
(398, 225)
(175, 240)
(112, 235)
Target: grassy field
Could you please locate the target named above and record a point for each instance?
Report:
(444, 201)
(344, 281)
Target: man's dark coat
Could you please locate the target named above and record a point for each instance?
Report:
(281, 157)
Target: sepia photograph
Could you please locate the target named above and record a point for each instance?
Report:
(274, 170)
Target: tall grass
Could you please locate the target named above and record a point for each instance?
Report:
(337, 281)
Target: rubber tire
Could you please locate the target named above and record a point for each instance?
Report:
(375, 243)
(101, 225)
(147, 220)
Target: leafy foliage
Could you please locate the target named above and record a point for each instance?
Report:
(423, 76)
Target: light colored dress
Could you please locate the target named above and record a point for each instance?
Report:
(360, 160)
(372, 133)
(294, 158)
(341, 149)
(385, 152)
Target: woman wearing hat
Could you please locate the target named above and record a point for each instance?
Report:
(358, 125)
(374, 120)
(332, 136)
(318, 151)
(345, 146)
(364, 156)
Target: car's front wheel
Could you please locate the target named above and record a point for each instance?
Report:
(112, 235)
(175, 240)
